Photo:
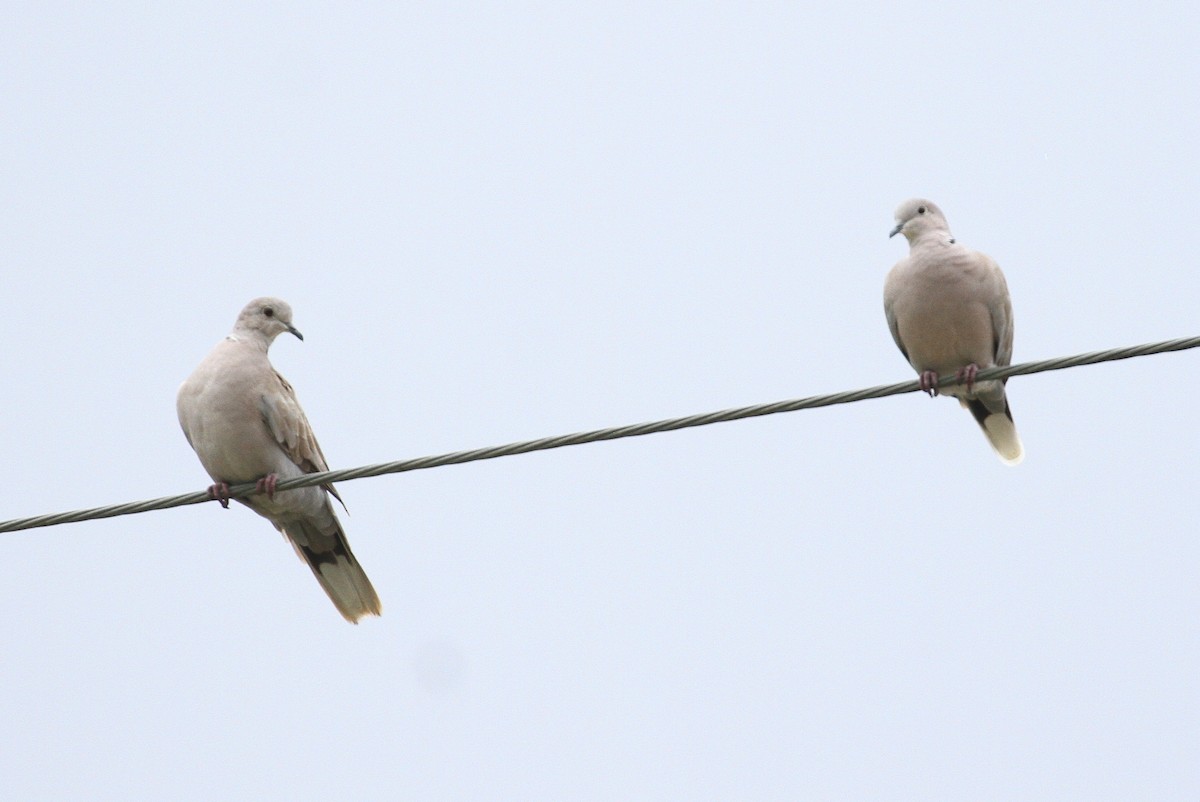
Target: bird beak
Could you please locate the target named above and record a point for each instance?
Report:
(296, 331)
(896, 230)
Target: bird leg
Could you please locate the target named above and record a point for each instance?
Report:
(267, 485)
(219, 492)
(967, 375)
(928, 382)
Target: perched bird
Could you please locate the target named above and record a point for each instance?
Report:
(244, 422)
(949, 312)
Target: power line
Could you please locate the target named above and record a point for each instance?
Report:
(596, 435)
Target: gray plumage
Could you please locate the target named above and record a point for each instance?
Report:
(244, 422)
(949, 312)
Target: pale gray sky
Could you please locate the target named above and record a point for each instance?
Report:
(498, 222)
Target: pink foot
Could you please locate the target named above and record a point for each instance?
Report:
(219, 492)
(267, 485)
(928, 382)
(966, 375)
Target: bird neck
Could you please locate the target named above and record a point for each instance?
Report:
(932, 238)
(252, 337)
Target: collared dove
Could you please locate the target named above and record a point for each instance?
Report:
(244, 422)
(949, 312)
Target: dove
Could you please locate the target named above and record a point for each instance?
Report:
(949, 312)
(243, 421)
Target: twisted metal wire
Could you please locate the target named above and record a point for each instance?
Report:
(597, 435)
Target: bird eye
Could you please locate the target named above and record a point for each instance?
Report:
(268, 311)
(921, 210)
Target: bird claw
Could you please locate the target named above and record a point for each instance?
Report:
(966, 375)
(219, 492)
(267, 485)
(928, 382)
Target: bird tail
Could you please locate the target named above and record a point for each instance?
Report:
(328, 554)
(999, 429)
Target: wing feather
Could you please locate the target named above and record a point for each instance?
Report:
(289, 426)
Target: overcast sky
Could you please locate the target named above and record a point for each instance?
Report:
(510, 221)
